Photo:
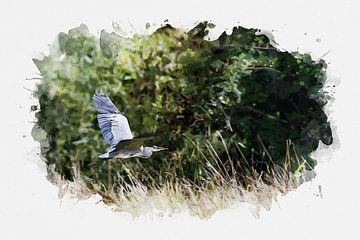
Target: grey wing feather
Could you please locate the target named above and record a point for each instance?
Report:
(113, 124)
(104, 105)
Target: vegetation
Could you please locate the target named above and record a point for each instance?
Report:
(233, 109)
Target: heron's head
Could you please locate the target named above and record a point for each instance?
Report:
(147, 151)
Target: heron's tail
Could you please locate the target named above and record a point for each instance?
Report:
(105, 156)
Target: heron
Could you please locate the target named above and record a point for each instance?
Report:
(116, 131)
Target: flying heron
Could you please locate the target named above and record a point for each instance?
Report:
(117, 133)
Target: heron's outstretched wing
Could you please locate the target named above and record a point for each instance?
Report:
(104, 105)
(113, 124)
(134, 143)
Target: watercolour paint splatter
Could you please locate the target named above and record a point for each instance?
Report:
(238, 116)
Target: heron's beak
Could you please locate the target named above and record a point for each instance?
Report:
(157, 149)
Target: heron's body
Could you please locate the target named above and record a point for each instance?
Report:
(117, 133)
(122, 153)
(142, 152)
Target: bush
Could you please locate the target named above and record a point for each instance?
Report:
(236, 105)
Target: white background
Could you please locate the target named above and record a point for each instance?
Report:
(29, 207)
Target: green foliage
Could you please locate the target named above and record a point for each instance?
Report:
(230, 103)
